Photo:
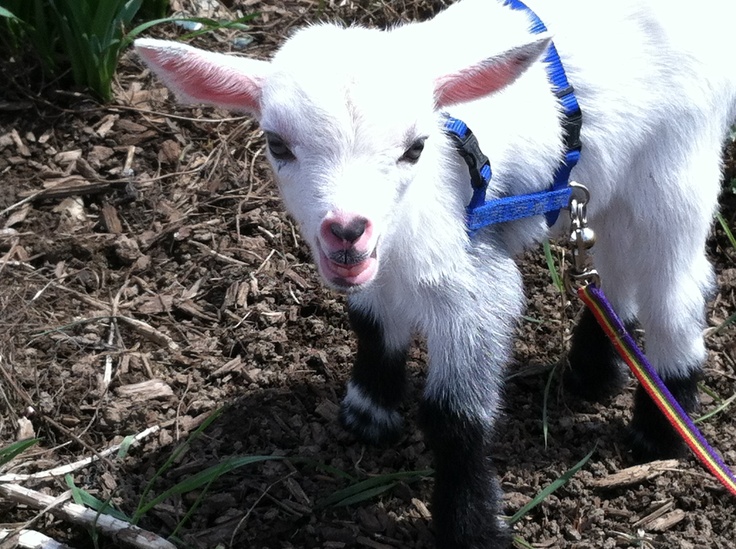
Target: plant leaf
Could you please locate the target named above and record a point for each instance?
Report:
(203, 478)
(370, 487)
(172, 458)
(8, 14)
(726, 229)
(556, 279)
(540, 497)
(7, 453)
(545, 403)
(82, 497)
(718, 409)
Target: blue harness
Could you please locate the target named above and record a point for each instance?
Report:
(480, 212)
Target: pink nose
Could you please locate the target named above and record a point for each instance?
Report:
(341, 230)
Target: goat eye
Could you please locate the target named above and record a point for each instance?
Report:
(413, 153)
(278, 149)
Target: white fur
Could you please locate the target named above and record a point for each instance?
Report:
(656, 84)
(657, 94)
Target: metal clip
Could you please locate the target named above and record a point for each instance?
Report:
(581, 240)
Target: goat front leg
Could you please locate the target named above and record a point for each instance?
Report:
(467, 497)
(458, 415)
(370, 408)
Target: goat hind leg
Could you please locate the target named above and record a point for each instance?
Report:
(673, 324)
(594, 371)
(671, 278)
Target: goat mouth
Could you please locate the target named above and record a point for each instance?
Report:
(348, 268)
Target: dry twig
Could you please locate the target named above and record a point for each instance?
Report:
(71, 467)
(117, 529)
(30, 539)
(637, 473)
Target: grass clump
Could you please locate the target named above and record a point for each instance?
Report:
(84, 39)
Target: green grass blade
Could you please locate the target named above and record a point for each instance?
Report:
(545, 401)
(212, 25)
(320, 466)
(7, 453)
(717, 410)
(129, 37)
(125, 446)
(556, 279)
(520, 543)
(71, 37)
(209, 25)
(8, 14)
(103, 17)
(81, 35)
(82, 497)
(173, 457)
(532, 319)
(129, 11)
(203, 478)
(365, 489)
(194, 506)
(365, 495)
(46, 37)
(27, 24)
(726, 229)
(723, 325)
(710, 392)
(541, 496)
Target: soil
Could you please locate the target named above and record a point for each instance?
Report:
(149, 277)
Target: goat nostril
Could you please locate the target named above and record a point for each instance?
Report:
(350, 232)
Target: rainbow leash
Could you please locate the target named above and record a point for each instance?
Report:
(642, 369)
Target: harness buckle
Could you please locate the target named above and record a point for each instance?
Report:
(572, 124)
(476, 160)
(468, 147)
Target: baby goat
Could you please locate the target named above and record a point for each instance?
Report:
(353, 119)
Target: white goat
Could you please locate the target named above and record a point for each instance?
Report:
(354, 126)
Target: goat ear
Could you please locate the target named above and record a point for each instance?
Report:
(489, 75)
(198, 76)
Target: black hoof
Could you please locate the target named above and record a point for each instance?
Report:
(596, 387)
(376, 426)
(650, 435)
(645, 448)
(595, 370)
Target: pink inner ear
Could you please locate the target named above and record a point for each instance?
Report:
(477, 81)
(489, 75)
(201, 79)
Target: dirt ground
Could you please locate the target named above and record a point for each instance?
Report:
(149, 277)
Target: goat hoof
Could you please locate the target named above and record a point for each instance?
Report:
(594, 373)
(586, 385)
(376, 426)
(645, 446)
(650, 434)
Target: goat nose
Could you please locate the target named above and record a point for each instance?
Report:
(350, 232)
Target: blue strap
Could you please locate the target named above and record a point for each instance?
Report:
(572, 121)
(511, 208)
(481, 213)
